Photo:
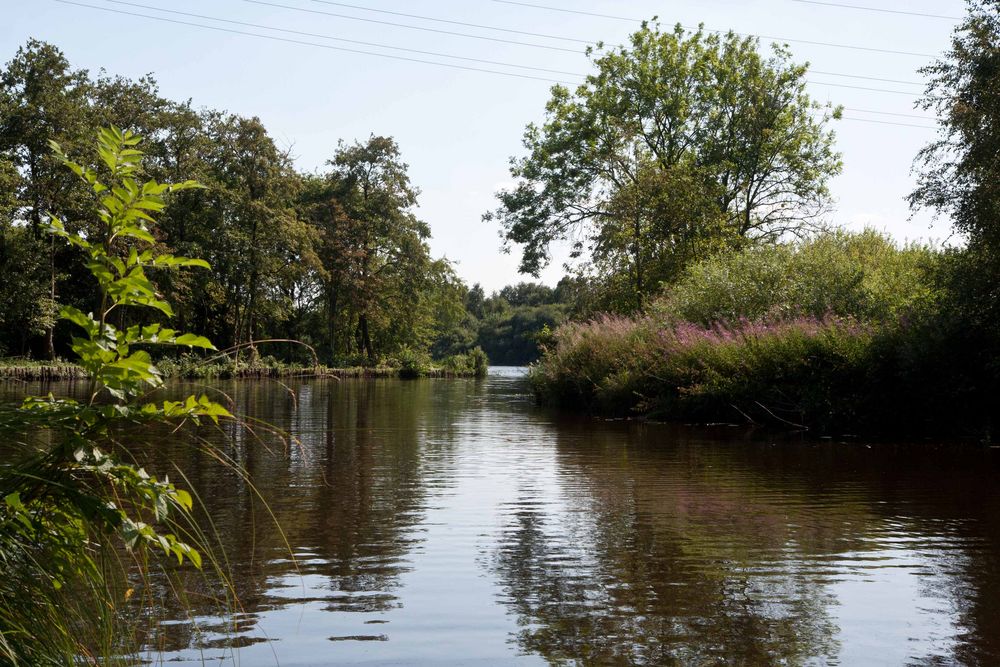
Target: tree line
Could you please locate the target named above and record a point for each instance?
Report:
(336, 258)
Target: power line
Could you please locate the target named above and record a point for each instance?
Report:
(321, 46)
(889, 122)
(867, 78)
(569, 11)
(343, 39)
(889, 113)
(414, 27)
(302, 9)
(359, 51)
(559, 37)
(878, 9)
(462, 23)
(721, 32)
(873, 90)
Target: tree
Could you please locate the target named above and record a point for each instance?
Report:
(678, 142)
(252, 233)
(337, 260)
(390, 242)
(43, 99)
(959, 173)
(25, 309)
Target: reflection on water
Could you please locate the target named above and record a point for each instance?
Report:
(451, 521)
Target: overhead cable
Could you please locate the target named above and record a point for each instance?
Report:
(722, 32)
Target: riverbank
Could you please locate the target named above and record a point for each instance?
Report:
(829, 376)
(30, 370)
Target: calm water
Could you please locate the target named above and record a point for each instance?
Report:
(450, 522)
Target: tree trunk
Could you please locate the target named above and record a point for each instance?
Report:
(637, 258)
(50, 335)
(366, 338)
(331, 317)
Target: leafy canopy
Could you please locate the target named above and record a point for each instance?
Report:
(959, 173)
(678, 140)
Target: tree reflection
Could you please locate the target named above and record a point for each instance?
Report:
(348, 496)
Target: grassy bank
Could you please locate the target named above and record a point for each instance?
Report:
(829, 375)
(470, 365)
(842, 333)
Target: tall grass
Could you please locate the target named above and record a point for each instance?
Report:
(842, 332)
(832, 375)
(788, 371)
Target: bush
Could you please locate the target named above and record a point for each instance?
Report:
(863, 276)
(412, 363)
(474, 362)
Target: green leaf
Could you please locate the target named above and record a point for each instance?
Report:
(192, 340)
(183, 499)
(76, 316)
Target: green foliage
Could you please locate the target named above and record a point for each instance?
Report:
(864, 276)
(412, 363)
(510, 337)
(509, 321)
(70, 493)
(959, 172)
(680, 144)
(337, 260)
(474, 363)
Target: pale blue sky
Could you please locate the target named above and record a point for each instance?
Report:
(458, 128)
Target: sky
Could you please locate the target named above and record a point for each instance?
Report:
(458, 128)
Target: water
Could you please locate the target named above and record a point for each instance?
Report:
(451, 522)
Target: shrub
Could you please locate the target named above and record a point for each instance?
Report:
(863, 276)
(474, 363)
(71, 497)
(412, 363)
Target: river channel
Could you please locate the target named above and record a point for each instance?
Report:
(453, 522)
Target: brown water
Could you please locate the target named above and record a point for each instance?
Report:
(452, 522)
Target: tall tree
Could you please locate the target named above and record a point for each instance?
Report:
(43, 99)
(251, 192)
(959, 172)
(378, 198)
(677, 138)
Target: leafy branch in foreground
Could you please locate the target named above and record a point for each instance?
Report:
(71, 500)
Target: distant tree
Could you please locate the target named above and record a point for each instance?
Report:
(24, 271)
(253, 231)
(677, 141)
(511, 339)
(392, 261)
(338, 260)
(474, 300)
(528, 294)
